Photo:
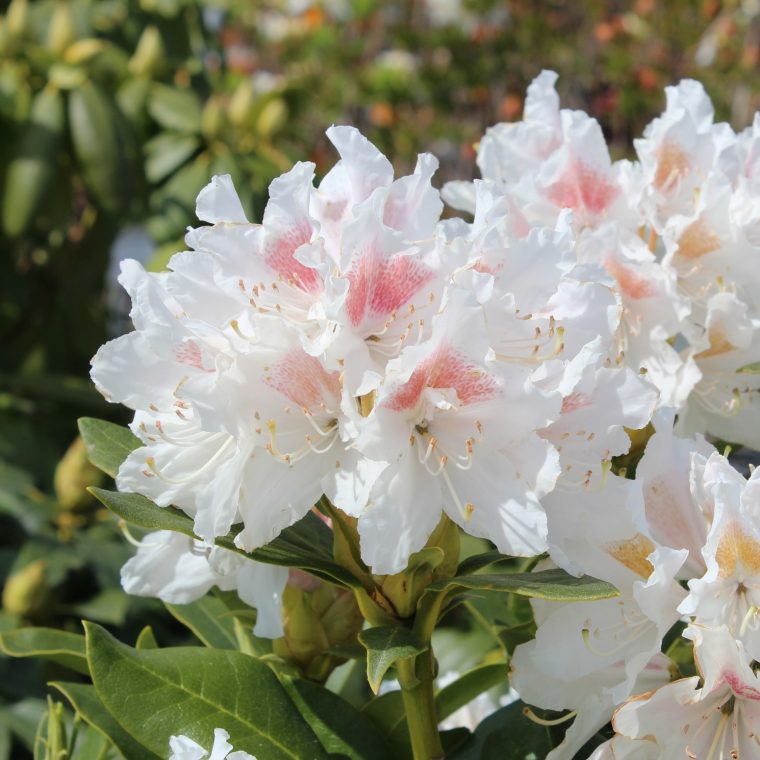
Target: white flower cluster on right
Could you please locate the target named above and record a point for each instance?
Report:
(355, 345)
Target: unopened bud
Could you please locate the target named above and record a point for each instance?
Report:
(317, 617)
(82, 51)
(241, 103)
(272, 118)
(73, 475)
(149, 56)
(212, 119)
(439, 559)
(61, 32)
(17, 18)
(25, 592)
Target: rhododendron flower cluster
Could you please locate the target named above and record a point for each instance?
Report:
(549, 373)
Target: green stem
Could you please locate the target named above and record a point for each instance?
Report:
(415, 675)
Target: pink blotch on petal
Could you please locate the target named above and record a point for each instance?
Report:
(574, 401)
(302, 379)
(582, 188)
(378, 287)
(190, 353)
(631, 284)
(445, 369)
(739, 687)
(278, 253)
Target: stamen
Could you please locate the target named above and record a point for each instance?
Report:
(530, 715)
(124, 528)
(151, 462)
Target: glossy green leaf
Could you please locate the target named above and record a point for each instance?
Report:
(506, 735)
(166, 153)
(146, 639)
(84, 699)
(306, 545)
(175, 109)
(192, 691)
(386, 645)
(552, 585)
(108, 445)
(209, 619)
(62, 647)
(468, 686)
(341, 728)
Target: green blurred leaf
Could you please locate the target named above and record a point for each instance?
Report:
(385, 645)
(468, 686)
(67, 649)
(108, 445)
(84, 699)
(192, 691)
(166, 153)
(175, 109)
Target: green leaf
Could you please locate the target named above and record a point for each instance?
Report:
(506, 735)
(468, 686)
(385, 645)
(553, 585)
(67, 649)
(175, 109)
(191, 691)
(85, 701)
(108, 445)
(146, 639)
(166, 153)
(306, 545)
(209, 619)
(342, 729)
(750, 369)
(387, 712)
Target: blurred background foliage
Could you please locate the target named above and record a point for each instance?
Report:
(114, 114)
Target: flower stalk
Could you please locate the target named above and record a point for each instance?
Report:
(416, 677)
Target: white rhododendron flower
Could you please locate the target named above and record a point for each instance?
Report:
(183, 748)
(719, 718)
(178, 570)
(549, 374)
(729, 591)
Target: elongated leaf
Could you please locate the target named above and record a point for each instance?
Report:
(468, 686)
(306, 545)
(209, 619)
(385, 645)
(166, 153)
(146, 639)
(552, 585)
(187, 690)
(341, 728)
(175, 108)
(84, 699)
(67, 649)
(506, 735)
(108, 445)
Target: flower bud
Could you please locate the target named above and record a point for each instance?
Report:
(272, 118)
(241, 103)
(73, 475)
(17, 18)
(61, 32)
(212, 118)
(25, 592)
(439, 559)
(148, 58)
(317, 617)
